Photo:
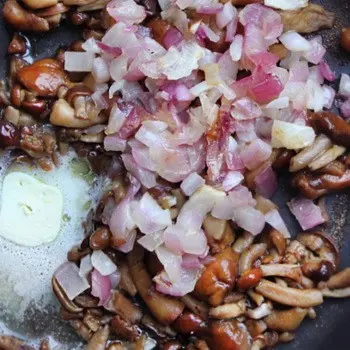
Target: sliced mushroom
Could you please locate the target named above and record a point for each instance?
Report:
(63, 114)
(285, 320)
(327, 157)
(340, 280)
(99, 340)
(39, 4)
(308, 19)
(337, 293)
(264, 205)
(12, 343)
(308, 154)
(124, 329)
(255, 327)
(249, 279)
(164, 308)
(282, 270)
(286, 337)
(256, 297)
(278, 240)
(228, 311)
(124, 307)
(22, 19)
(330, 124)
(250, 255)
(289, 296)
(321, 244)
(318, 270)
(68, 304)
(57, 9)
(94, 6)
(259, 312)
(126, 283)
(196, 306)
(295, 252)
(161, 330)
(242, 242)
(189, 323)
(218, 277)
(81, 329)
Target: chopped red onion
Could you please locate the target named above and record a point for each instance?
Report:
(114, 278)
(170, 261)
(100, 70)
(245, 108)
(146, 177)
(85, 266)
(190, 261)
(329, 95)
(316, 52)
(101, 262)
(344, 85)
(255, 153)
(126, 11)
(141, 155)
(148, 215)
(249, 219)
(209, 9)
(118, 67)
(193, 241)
(245, 130)
(114, 51)
(99, 100)
(117, 118)
(172, 238)
(236, 47)
(266, 182)
(100, 287)
(208, 33)
(152, 241)
(345, 108)
(299, 71)
(281, 102)
(293, 41)
(191, 184)
(226, 15)
(91, 45)
(274, 219)
(326, 71)
(231, 29)
(129, 244)
(306, 212)
(72, 283)
(184, 285)
(78, 61)
(114, 143)
(173, 37)
(231, 180)
(223, 209)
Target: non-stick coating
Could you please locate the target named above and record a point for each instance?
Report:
(331, 328)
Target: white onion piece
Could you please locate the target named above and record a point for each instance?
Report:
(100, 70)
(170, 261)
(223, 209)
(102, 263)
(114, 278)
(191, 184)
(281, 102)
(306, 212)
(249, 219)
(67, 276)
(116, 120)
(114, 143)
(314, 95)
(255, 153)
(90, 45)
(344, 85)
(211, 35)
(129, 244)
(226, 15)
(152, 241)
(148, 216)
(286, 4)
(85, 266)
(193, 241)
(236, 48)
(329, 94)
(294, 42)
(291, 136)
(126, 11)
(100, 287)
(274, 219)
(316, 52)
(78, 61)
(118, 67)
(231, 180)
(194, 211)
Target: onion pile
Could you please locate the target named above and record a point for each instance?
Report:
(183, 115)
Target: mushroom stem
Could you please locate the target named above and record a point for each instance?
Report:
(283, 270)
(99, 339)
(249, 255)
(228, 311)
(340, 280)
(259, 312)
(337, 293)
(285, 320)
(289, 296)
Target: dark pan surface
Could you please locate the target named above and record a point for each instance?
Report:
(330, 330)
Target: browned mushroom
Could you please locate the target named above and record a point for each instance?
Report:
(259, 312)
(330, 124)
(289, 296)
(322, 245)
(218, 277)
(303, 158)
(53, 10)
(335, 168)
(196, 306)
(283, 270)
(308, 19)
(22, 19)
(164, 308)
(228, 311)
(44, 77)
(124, 329)
(189, 323)
(10, 135)
(339, 280)
(249, 256)
(345, 39)
(126, 282)
(12, 343)
(242, 242)
(17, 45)
(285, 320)
(99, 340)
(69, 305)
(337, 293)
(81, 329)
(249, 279)
(124, 307)
(256, 327)
(318, 270)
(327, 157)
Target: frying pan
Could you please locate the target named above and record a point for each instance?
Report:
(330, 330)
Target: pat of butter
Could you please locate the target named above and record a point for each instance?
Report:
(286, 4)
(31, 211)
